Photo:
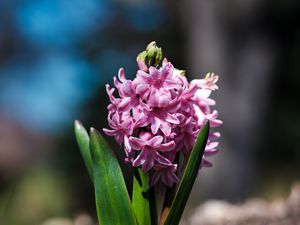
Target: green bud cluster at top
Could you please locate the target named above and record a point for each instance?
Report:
(152, 56)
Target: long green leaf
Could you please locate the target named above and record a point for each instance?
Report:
(140, 197)
(112, 199)
(83, 140)
(188, 179)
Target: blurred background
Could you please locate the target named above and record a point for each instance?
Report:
(56, 57)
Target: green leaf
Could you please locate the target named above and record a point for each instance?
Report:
(140, 197)
(112, 199)
(83, 140)
(188, 179)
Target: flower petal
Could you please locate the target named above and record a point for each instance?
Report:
(155, 125)
(110, 93)
(148, 164)
(154, 73)
(144, 77)
(165, 128)
(166, 71)
(205, 163)
(172, 119)
(137, 143)
(121, 75)
(109, 132)
(161, 160)
(211, 145)
(155, 141)
(143, 90)
(127, 144)
(166, 147)
(211, 152)
(128, 89)
(140, 159)
(163, 101)
(125, 104)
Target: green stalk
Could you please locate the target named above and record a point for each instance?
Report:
(140, 197)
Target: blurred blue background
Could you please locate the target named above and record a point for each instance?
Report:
(56, 57)
(57, 53)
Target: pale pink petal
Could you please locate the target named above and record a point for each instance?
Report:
(166, 147)
(172, 119)
(121, 75)
(202, 94)
(143, 90)
(163, 101)
(109, 132)
(125, 104)
(142, 122)
(119, 137)
(165, 128)
(215, 122)
(140, 159)
(214, 135)
(110, 93)
(154, 73)
(155, 125)
(167, 71)
(148, 164)
(171, 84)
(161, 160)
(155, 141)
(190, 92)
(209, 101)
(146, 135)
(127, 124)
(137, 143)
(153, 98)
(211, 152)
(144, 77)
(127, 144)
(212, 145)
(205, 163)
(142, 65)
(128, 89)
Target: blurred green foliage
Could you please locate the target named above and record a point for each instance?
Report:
(40, 193)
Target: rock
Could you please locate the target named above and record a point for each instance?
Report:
(251, 212)
(58, 221)
(82, 219)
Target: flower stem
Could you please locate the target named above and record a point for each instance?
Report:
(140, 197)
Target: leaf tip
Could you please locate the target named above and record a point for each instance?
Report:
(94, 131)
(77, 123)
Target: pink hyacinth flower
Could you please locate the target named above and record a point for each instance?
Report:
(158, 115)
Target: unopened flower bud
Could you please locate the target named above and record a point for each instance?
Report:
(154, 54)
(151, 57)
(179, 72)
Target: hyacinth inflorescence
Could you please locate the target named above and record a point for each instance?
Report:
(159, 114)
